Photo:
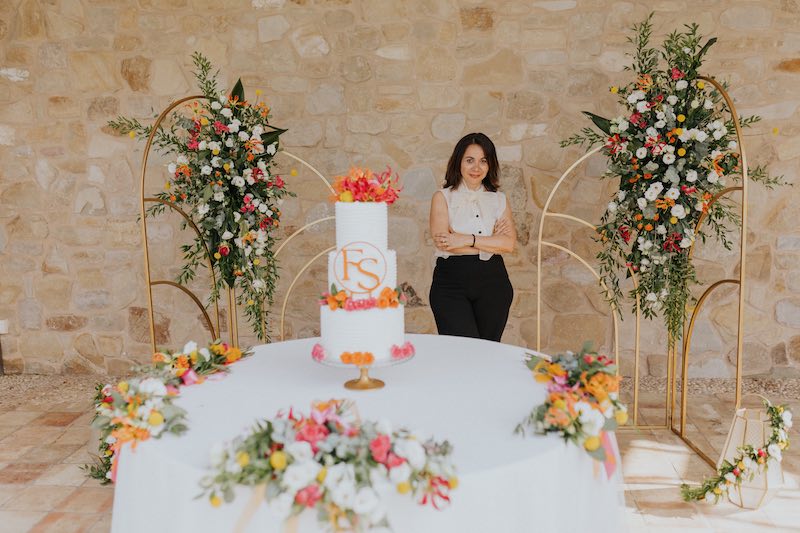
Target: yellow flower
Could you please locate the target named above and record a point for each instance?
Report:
(621, 417)
(155, 418)
(680, 118)
(167, 186)
(256, 262)
(453, 482)
(614, 89)
(681, 152)
(701, 85)
(591, 443)
(215, 152)
(346, 196)
(217, 255)
(226, 166)
(293, 172)
(775, 131)
(132, 134)
(673, 220)
(278, 460)
(559, 404)
(243, 458)
(717, 490)
(250, 301)
(404, 487)
(204, 121)
(215, 500)
(259, 92)
(678, 131)
(741, 465)
(323, 473)
(122, 387)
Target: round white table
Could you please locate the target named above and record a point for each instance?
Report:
(470, 392)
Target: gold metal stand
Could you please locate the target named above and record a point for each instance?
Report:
(670, 400)
(364, 382)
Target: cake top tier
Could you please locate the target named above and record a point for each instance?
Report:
(363, 185)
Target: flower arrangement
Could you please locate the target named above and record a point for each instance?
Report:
(363, 185)
(749, 462)
(142, 407)
(332, 462)
(222, 177)
(673, 152)
(339, 299)
(581, 404)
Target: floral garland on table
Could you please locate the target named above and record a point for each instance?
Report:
(363, 185)
(142, 407)
(673, 152)
(222, 176)
(749, 462)
(332, 462)
(582, 402)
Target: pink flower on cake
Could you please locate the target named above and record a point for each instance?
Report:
(402, 352)
(318, 352)
(380, 447)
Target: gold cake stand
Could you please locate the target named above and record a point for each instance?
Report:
(364, 382)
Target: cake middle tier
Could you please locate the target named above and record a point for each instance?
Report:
(362, 270)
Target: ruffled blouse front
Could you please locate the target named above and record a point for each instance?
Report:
(473, 212)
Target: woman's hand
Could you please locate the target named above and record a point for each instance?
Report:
(449, 241)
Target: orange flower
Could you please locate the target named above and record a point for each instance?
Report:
(232, 355)
(159, 357)
(644, 82)
(346, 357)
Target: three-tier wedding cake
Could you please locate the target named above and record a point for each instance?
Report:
(362, 316)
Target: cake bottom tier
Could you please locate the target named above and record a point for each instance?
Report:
(348, 336)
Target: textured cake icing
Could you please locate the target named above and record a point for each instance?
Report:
(361, 317)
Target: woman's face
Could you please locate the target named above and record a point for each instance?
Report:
(474, 166)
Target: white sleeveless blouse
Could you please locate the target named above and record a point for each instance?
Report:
(473, 212)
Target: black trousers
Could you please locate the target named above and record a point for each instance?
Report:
(470, 297)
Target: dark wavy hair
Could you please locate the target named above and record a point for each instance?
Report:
(453, 175)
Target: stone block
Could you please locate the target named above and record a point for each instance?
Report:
(66, 322)
(139, 326)
(477, 18)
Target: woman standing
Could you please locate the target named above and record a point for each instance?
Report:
(471, 224)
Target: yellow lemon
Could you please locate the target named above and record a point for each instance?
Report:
(278, 460)
(673, 220)
(217, 255)
(614, 89)
(243, 458)
(323, 473)
(453, 482)
(404, 487)
(132, 134)
(346, 196)
(155, 418)
(680, 118)
(122, 387)
(215, 500)
(681, 152)
(621, 417)
(591, 443)
(701, 85)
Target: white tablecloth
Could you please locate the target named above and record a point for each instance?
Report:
(470, 392)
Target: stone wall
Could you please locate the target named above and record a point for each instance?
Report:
(363, 83)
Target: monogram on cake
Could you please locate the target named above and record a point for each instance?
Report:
(362, 319)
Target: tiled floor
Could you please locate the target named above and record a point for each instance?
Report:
(43, 441)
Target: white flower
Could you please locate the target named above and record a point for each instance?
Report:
(635, 96)
(238, 181)
(344, 494)
(300, 474)
(681, 85)
(678, 211)
(651, 297)
(621, 195)
(694, 103)
(259, 284)
(592, 421)
(227, 113)
(691, 176)
(204, 354)
(202, 209)
(202, 145)
(669, 158)
(787, 419)
(189, 347)
(365, 501)
(642, 106)
(672, 99)
(233, 127)
(182, 160)
(708, 104)
(171, 168)
(712, 177)
(641, 202)
(748, 463)
(641, 153)
(229, 142)
(651, 132)
(272, 148)
(263, 208)
(412, 451)
(718, 134)
(214, 146)
(219, 196)
(774, 451)
(111, 439)
(685, 243)
(152, 386)
(206, 170)
(217, 455)
(300, 450)
(730, 477)
(227, 235)
(243, 136)
(400, 473)
(623, 125)
(216, 161)
(237, 216)
(258, 130)
(612, 207)
(732, 145)
(673, 193)
(216, 106)
(660, 124)
(699, 205)
(384, 426)
(700, 135)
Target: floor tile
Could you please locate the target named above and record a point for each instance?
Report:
(65, 522)
(55, 419)
(18, 418)
(67, 474)
(19, 522)
(37, 498)
(22, 473)
(88, 500)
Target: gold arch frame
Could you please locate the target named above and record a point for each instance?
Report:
(233, 327)
(672, 377)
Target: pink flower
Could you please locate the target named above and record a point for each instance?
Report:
(676, 73)
(309, 496)
(379, 447)
(318, 352)
(190, 377)
(312, 433)
(219, 127)
(393, 460)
